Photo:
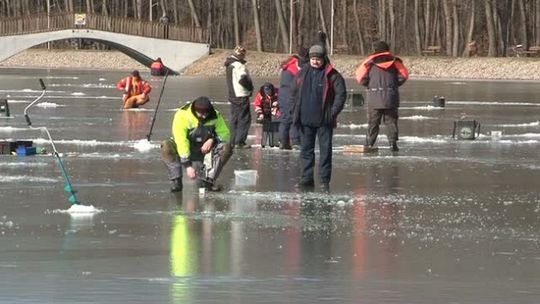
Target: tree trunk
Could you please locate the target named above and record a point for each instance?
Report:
(138, 9)
(537, 23)
(90, 6)
(455, 20)
(300, 20)
(343, 29)
(417, 35)
(358, 28)
(236, 25)
(282, 26)
(175, 12)
(323, 23)
(382, 20)
(392, 24)
(492, 45)
(470, 31)
(427, 22)
(194, 15)
(523, 22)
(257, 25)
(448, 27)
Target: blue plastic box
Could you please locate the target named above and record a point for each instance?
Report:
(25, 151)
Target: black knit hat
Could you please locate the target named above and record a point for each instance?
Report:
(381, 47)
(202, 104)
(135, 73)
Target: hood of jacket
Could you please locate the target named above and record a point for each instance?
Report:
(384, 60)
(232, 59)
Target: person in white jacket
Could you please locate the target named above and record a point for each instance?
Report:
(240, 88)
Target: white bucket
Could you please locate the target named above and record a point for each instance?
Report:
(245, 177)
(496, 135)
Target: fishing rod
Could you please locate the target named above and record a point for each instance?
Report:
(157, 106)
(68, 186)
(43, 90)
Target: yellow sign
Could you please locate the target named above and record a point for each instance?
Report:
(80, 19)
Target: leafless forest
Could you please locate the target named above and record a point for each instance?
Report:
(410, 26)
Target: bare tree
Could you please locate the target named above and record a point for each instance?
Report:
(358, 28)
(236, 24)
(282, 26)
(470, 30)
(194, 15)
(455, 20)
(492, 45)
(417, 37)
(257, 25)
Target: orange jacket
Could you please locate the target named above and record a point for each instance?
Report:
(131, 89)
(157, 65)
(364, 68)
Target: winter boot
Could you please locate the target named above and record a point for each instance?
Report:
(177, 185)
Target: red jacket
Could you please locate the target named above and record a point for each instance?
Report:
(267, 107)
(130, 89)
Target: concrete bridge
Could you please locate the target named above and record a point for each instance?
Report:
(141, 40)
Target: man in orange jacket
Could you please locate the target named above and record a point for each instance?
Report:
(382, 73)
(136, 90)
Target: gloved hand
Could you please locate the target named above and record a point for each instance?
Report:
(260, 118)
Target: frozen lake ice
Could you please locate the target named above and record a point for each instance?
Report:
(441, 221)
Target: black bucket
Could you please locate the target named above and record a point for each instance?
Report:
(355, 99)
(4, 106)
(439, 101)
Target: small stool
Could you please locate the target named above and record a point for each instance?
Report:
(269, 128)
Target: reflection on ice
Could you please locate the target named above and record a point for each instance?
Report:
(144, 145)
(26, 179)
(48, 105)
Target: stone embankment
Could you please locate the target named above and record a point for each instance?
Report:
(267, 64)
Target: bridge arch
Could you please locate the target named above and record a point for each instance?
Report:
(137, 39)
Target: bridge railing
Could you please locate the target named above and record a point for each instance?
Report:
(54, 22)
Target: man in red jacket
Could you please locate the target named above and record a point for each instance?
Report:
(382, 73)
(136, 90)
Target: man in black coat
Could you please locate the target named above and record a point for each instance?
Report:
(319, 97)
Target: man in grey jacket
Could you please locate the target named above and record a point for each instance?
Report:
(240, 88)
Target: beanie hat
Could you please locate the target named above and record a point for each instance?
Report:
(202, 104)
(239, 51)
(380, 47)
(317, 51)
(268, 88)
(135, 73)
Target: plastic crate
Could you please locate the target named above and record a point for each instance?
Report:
(6, 147)
(25, 151)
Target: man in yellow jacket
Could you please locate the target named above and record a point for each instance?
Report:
(199, 134)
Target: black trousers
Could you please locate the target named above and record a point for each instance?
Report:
(390, 119)
(288, 132)
(307, 153)
(240, 120)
